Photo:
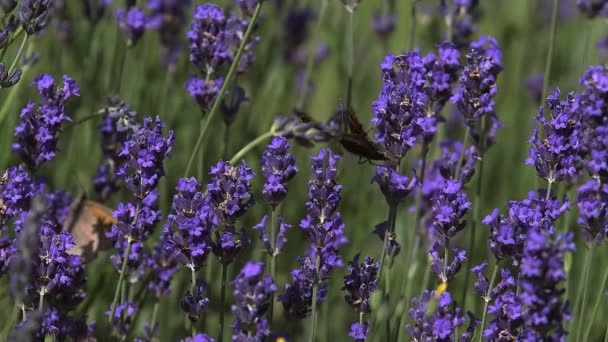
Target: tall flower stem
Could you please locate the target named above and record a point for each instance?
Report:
(392, 215)
(350, 60)
(154, 314)
(411, 41)
(549, 58)
(273, 230)
(487, 300)
(310, 59)
(121, 278)
(596, 306)
(222, 92)
(313, 318)
(583, 304)
(220, 335)
(252, 144)
(18, 55)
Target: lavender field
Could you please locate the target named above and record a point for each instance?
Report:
(313, 170)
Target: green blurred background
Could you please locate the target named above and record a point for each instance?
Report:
(86, 54)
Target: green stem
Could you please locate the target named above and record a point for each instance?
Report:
(97, 114)
(200, 167)
(350, 61)
(273, 229)
(18, 56)
(313, 319)
(392, 214)
(549, 59)
(222, 92)
(585, 287)
(310, 59)
(257, 141)
(487, 300)
(465, 141)
(121, 278)
(220, 337)
(41, 300)
(596, 306)
(412, 26)
(473, 235)
(154, 315)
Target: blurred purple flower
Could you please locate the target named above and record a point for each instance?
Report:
(34, 15)
(196, 301)
(278, 167)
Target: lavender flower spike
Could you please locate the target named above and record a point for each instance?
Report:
(278, 167)
(252, 293)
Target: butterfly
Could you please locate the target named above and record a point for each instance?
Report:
(353, 138)
(88, 223)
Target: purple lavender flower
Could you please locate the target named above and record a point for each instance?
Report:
(252, 293)
(280, 240)
(168, 17)
(278, 167)
(196, 301)
(443, 73)
(144, 155)
(506, 308)
(394, 186)
(438, 265)
(450, 207)
(325, 231)
(593, 8)
(557, 156)
(189, 225)
(246, 6)
(199, 338)
(6, 80)
(16, 191)
(595, 125)
(541, 271)
(163, 264)
(123, 317)
(461, 14)
(383, 23)
(117, 126)
(34, 15)
(477, 84)
(235, 31)
(450, 157)
(358, 331)
(38, 129)
(401, 103)
(204, 91)
(393, 247)
(132, 23)
(360, 281)
(229, 191)
(208, 49)
(534, 84)
(440, 324)
(592, 203)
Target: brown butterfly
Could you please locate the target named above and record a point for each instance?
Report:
(88, 223)
(357, 142)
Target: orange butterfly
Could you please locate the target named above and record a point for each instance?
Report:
(88, 224)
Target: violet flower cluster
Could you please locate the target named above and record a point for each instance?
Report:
(278, 167)
(542, 270)
(229, 198)
(133, 22)
(325, 231)
(440, 324)
(39, 126)
(592, 202)
(252, 293)
(117, 126)
(34, 15)
(557, 155)
(168, 17)
(360, 282)
(461, 16)
(214, 39)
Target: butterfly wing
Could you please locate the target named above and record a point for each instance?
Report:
(89, 229)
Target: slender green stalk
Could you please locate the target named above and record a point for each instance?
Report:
(579, 291)
(350, 60)
(392, 215)
(310, 59)
(121, 278)
(549, 59)
(80, 121)
(200, 167)
(313, 318)
(606, 333)
(487, 300)
(583, 310)
(465, 141)
(41, 300)
(222, 92)
(154, 314)
(18, 56)
(596, 306)
(220, 336)
(273, 230)
(411, 41)
(255, 142)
